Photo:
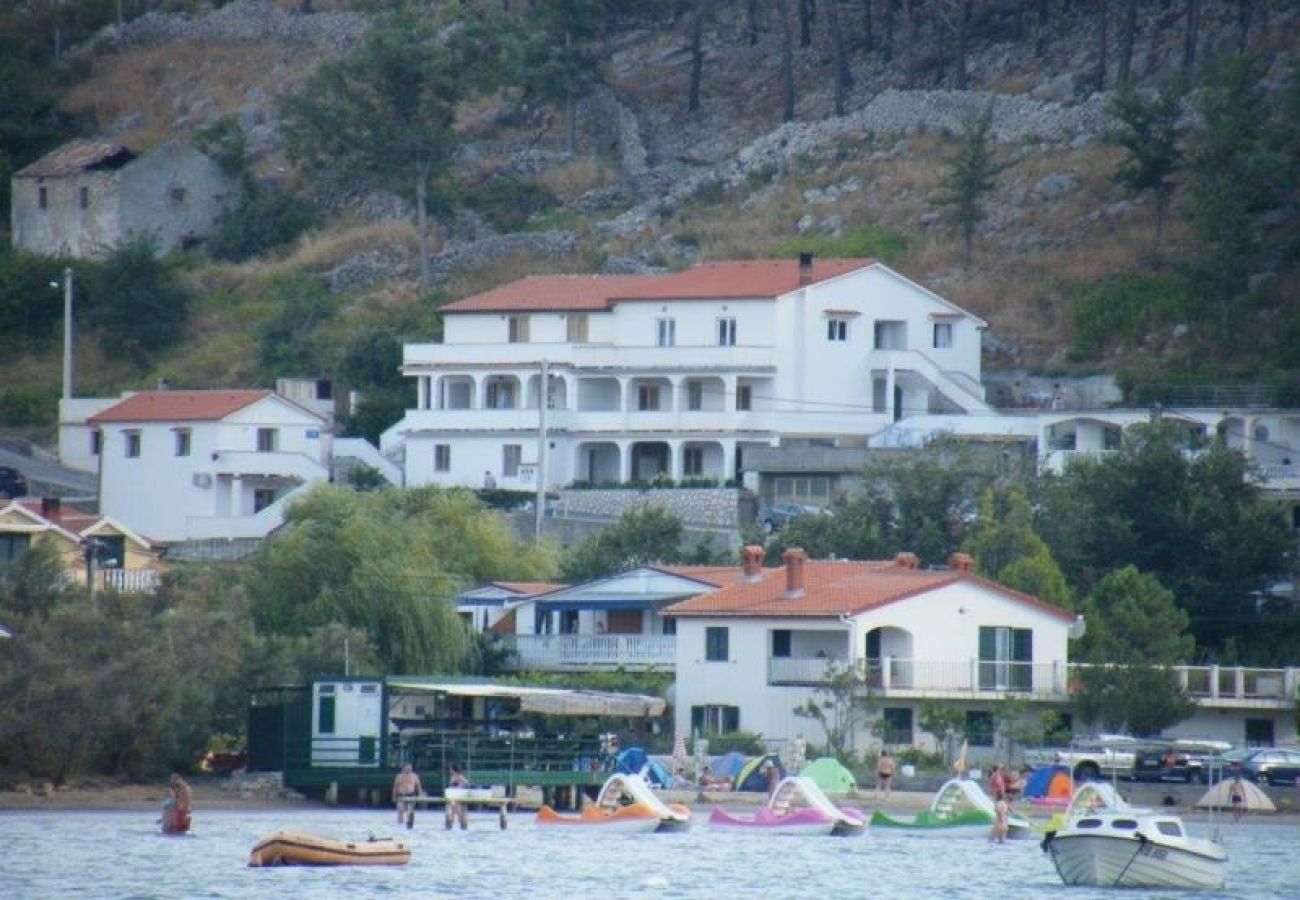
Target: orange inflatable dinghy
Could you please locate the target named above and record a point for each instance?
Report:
(285, 848)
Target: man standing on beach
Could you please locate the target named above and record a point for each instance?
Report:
(406, 785)
(884, 774)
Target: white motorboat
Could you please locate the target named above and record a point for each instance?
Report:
(1104, 842)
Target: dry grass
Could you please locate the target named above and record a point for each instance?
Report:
(315, 251)
(568, 182)
(509, 268)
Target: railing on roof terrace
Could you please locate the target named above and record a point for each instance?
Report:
(587, 651)
(1238, 682)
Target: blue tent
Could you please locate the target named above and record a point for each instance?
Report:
(1048, 781)
(633, 761)
(728, 765)
(752, 777)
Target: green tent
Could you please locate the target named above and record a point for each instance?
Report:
(830, 776)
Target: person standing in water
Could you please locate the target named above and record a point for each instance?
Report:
(457, 810)
(406, 785)
(1237, 797)
(178, 806)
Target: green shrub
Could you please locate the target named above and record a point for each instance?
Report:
(22, 407)
(135, 301)
(509, 202)
(749, 743)
(867, 241)
(263, 222)
(1124, 309)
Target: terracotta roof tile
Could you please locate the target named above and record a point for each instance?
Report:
(729, 280)
(179, 406)
(834, 588)
(66, 516)
(77, 156)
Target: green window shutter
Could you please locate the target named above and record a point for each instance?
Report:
(1022, 654)
(697, 719)
(325, 716)
(730, 718)
(988, 653)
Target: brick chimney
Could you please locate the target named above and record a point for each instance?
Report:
(907, 561)
(51, 507)
(805, 269)
(962, 562)
(751, 563)
(794, 584)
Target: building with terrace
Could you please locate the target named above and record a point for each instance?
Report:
(678, 375)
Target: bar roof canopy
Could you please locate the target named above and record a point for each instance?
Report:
(546, 701)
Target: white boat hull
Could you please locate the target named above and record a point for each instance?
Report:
(1109, 861)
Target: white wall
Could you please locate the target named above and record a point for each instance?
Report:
(471, 455)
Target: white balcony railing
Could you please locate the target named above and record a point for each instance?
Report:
(128, 581)
(608, 357)
(591, 651)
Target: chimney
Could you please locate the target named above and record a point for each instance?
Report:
(794, 560)
(907, 561)
(751, 563)
(51, 507)
(805, 269)
(962, 562)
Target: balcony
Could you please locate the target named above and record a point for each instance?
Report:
(591, 652)
(588, 357)
(902, 678)
(126, 581)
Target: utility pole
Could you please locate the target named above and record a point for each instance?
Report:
(543, 400)
(67, 333)
(90, 549)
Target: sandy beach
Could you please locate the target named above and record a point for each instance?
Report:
(209, 793)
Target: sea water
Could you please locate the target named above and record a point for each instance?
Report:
(110, 855)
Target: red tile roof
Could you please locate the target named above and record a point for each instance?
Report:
(179, 406)
(834, 588)
(66, 516)
(730, 280)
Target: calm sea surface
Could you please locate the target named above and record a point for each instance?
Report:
(88, 856)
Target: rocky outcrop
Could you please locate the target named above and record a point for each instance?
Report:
(244, 21)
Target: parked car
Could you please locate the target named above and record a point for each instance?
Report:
(773, 518)
(12, 483)
(1227, 765)
(1090, 757)
(1179, 759)
(1273, 765)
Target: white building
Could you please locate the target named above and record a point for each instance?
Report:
(187, 465)
(676, 375)
(750, 653)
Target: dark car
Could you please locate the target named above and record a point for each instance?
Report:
(12, 482)
(1273, 765)
(1179, 760)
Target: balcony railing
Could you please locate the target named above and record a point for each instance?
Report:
(127, 581)
(591, 651)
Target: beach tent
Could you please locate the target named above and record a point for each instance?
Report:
(1049, 783)
(830, 776)
(751, 776)
(1217, 797)
(630, 761)
(728, 765)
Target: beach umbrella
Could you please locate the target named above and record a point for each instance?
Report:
(679, 752)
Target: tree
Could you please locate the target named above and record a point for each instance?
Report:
(1188, 512)
(970, 176)
(697, 57)
(136, 301)
(1127, 35)
(1008, 550)
(841, 704)
(556, 61)
(372, 365)
(388, 563)
(946, 723)
(839, 57)
(1134, 632)
(1103, 37)
(640, 537)
(787, 61)
(382, 117)
(1147, 129)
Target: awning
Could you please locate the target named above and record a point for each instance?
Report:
(547, 701)
(612, 601)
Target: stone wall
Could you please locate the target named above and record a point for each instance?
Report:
(706, 507)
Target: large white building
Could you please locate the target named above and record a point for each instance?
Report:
(190, 465)
(677, 375)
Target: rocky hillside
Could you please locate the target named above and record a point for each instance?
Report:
(652, 185)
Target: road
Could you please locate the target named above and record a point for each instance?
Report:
(47, 478)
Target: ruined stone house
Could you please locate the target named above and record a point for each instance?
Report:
(87, 197)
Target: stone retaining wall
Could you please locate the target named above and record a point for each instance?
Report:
(706, 507)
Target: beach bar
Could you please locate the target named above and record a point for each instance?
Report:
(344, 738)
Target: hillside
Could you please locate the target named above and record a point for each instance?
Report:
(650, 185)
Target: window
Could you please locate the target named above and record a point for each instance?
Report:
(110, 551)
(979, 727)
(669, 626)
(726, 332)
(744, 397)
(177, 195)
(13, 546)
(133, 444)
(715, 719)
(262, 498)
(667, 332)
(267, 440)
(898, 725)
(511, 456)
(837, 329)
(716, 644)
(83, 197)
(814, 489)
(182, 442)
(1006, 658)
(96, 442)
(42, 197)
(781, 643)
(647, 397)
(325, 713)
(695, 395)
(942, 335)
(576, 328)
(518, 330)
(693, 461)
(891, 335)
(442, 457)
